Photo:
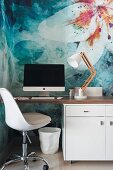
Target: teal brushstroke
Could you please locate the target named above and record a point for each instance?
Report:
(27, 52)
(3, 129)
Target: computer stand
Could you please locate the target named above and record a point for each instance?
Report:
(44, 93)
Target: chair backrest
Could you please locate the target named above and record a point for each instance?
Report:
(13, 115)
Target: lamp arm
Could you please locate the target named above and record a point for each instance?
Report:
(91, 69)
(89, 79)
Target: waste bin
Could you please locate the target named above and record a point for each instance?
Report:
(49, 139)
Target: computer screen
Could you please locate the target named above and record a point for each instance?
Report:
(44, 77)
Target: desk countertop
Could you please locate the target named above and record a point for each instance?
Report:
(66, 100)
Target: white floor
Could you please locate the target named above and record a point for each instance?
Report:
(56, 162)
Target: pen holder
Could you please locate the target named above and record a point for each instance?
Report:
(71, 93)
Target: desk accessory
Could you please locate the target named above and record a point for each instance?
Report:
(74, 61)
(21, 98)
(71, 93)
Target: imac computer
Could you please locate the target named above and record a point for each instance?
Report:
(44, 78)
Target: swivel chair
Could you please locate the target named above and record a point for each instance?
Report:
(24, 123)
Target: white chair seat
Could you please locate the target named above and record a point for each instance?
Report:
(36, 120)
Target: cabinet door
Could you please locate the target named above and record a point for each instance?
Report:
(85, 138)
(109, 138)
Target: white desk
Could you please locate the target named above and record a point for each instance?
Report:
(88, 132)
(87, 127)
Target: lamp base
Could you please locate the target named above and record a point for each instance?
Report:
(80, 97)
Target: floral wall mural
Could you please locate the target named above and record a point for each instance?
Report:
(89, 25)
(39, 31)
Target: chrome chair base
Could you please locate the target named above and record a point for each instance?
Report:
(32, 157)
(25, 157)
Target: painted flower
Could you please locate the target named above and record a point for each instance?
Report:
(89, 22)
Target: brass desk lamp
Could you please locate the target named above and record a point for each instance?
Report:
(74, 61)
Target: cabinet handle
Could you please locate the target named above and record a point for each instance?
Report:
(86, 111)
(111, 123)
(101, 122)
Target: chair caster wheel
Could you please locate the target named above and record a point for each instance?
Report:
(45, 167)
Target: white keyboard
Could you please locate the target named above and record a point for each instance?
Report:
(43, 97)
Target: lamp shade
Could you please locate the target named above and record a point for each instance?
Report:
(74, 60)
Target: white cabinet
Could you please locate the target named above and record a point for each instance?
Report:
(88, 132)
